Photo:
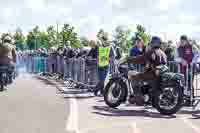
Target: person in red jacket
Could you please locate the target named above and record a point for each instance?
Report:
(184, 56)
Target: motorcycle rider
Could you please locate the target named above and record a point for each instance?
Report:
(152, 58)
(8, 54)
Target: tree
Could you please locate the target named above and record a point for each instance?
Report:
(100, 34)
(195, 45)
(19, 39)
(84, 41)
(30, 41)
(36, 30)
(43, 38)
(141, 31)
(36, 34)
(52, 40)
(121, 37)
(68, 34)
(77, 44)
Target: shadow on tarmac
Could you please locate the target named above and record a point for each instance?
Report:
(189, 112)
(78, 97)
(70, 93)
(121, 113)
(106, 111)
(45, 81)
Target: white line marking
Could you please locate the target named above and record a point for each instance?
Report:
(72, 122)
(135, 129)
(195, 128)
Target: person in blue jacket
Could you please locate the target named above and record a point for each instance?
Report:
(137, 50)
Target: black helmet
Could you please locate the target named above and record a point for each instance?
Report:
(184, 37)
(155, 42)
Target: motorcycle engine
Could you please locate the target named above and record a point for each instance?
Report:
(141, 94)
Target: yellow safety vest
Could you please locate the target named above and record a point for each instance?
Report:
(104, 55)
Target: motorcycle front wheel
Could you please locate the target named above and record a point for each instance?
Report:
(115, 93)
(168, 100)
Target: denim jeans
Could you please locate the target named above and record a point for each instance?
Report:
(102, 73)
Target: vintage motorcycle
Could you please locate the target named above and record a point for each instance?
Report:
(167, 100)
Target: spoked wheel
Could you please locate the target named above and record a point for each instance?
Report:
(169, 100)
(114, 93)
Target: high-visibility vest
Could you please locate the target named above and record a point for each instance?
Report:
(104, 55)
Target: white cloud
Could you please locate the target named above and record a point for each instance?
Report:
(172, 16)
(166, 4)
(89, 26)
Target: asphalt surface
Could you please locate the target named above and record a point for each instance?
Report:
(33, 105)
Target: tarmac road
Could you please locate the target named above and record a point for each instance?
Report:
(31, 105)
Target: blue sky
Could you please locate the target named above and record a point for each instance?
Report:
(169, 17)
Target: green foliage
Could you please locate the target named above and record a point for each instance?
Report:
(19, 40)
(84, 41)
(30, 41)
(43, 40)
(46, 39)
(68, 34)
(100, 34)
(121, 37)
(51, 36)
(141, 32)
(77, 44)
(196, 46)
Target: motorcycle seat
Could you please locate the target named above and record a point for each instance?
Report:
(4, 67)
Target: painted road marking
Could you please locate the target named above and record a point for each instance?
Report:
(135, 129)
(72, 122)
(195, 128)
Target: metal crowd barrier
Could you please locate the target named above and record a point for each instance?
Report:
(77, 70)
(194, 76)
(71, 69)
(36, 64)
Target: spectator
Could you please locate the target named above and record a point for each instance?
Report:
(68, 54)
(184, 55)
(52, 60)
(137, 50)
(104, 54)
(60, 62)
(93, 53)
(91, 63)
(169, 51)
